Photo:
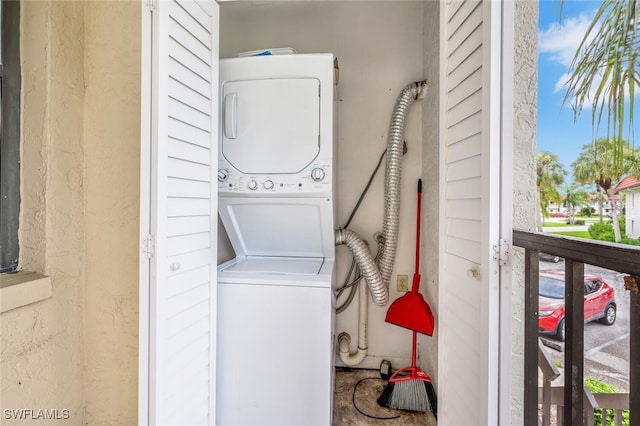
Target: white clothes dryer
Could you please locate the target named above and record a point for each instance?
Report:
(275, 336)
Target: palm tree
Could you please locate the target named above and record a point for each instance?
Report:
(575, 197)
(604, 71)
(550, 175)
(599, 163)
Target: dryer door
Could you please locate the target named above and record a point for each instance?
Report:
(271, 125)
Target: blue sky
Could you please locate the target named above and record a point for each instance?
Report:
(558, 132)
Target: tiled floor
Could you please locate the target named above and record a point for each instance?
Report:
(366, 395)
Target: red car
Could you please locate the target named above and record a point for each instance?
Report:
(559, 214)
(599, 302)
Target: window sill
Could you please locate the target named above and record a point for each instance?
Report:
(23, 288)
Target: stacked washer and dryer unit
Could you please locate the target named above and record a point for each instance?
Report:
(275, 354)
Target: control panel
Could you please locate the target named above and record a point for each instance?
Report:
(313, 179)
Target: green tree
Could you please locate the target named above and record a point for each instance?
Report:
(575, 198)
(604, 71)
(550, 175)
(598, 164)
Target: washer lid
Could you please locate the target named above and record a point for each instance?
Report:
(280, 266)
(271, 125)
(279, 227)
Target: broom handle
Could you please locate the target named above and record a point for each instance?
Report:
(413, 349)
(415, 286)
(416, 276)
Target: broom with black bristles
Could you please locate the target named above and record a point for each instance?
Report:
(410, 388)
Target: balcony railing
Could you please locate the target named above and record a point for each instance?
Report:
(576, 252)
(550, 397)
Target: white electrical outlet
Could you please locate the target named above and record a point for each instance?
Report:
(403, 283)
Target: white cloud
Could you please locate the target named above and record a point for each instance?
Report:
(561, 40)
(561, 82)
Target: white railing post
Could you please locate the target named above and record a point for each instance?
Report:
(589, 405)
(549, 373)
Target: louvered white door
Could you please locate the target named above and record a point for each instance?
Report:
(471, 214)
(178, 212)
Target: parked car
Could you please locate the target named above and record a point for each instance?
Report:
(559, 214)
(599, 302)
(549, 257)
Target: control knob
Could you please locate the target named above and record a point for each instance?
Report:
(223, 175)
(252, 185)
(317, 174)
(268, 184)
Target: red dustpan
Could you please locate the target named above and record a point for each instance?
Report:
(411, 310)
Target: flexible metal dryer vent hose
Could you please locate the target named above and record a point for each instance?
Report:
(366, 263)
(379, 276)
(393, 173)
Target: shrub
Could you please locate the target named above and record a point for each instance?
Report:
(598, 386)
(622, 222)
(602, 231)
(579, 222)
(630, 241)
(587, 211)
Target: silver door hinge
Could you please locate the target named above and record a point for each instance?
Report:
(501, 252)
(147, 246)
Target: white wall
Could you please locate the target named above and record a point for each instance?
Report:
(380, 48)
(632, 212)
(430, 174)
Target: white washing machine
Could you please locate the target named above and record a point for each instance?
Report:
(276, 190)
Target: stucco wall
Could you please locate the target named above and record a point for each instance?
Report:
(524, 172)
(112, 202)
(77, 351)
(41, 355)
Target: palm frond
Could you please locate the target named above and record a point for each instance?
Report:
(604, 70)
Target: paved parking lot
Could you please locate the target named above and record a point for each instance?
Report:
(606, 347)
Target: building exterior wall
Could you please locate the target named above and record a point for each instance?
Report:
(632, 212)
(112, 202)
(41, 356)
(76, 352)
(524, 178)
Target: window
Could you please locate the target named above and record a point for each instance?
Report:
(9, 133)
(592, 286)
